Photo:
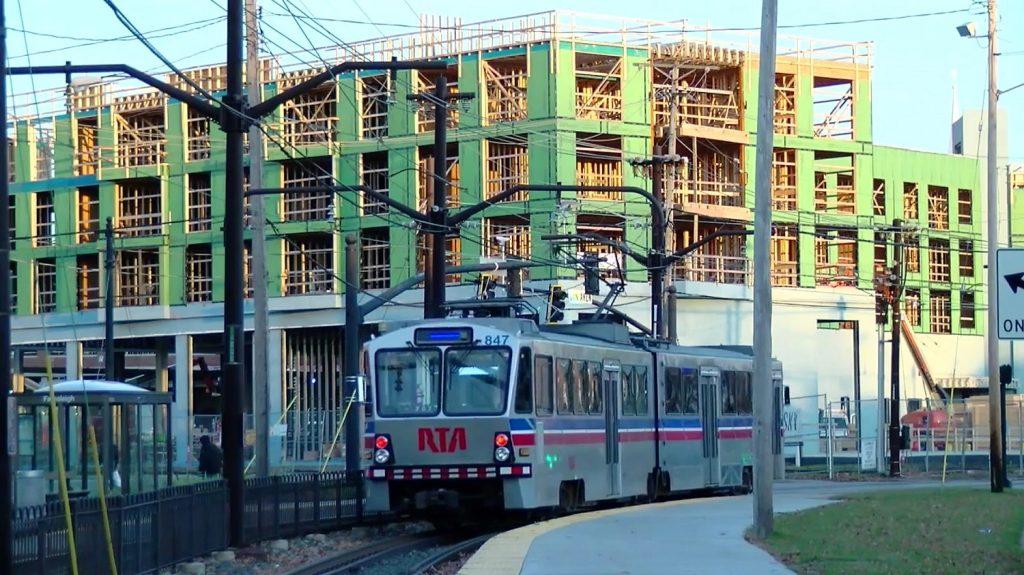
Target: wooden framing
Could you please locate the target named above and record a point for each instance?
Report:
(611, 227)
(784, 178)
(785, 270)
(505, 82)
(912, 306)
(938, 208)
(425, 82)
(835, 257)
(878, 197)
(967, 310)
(598, 87)
(834, 187)
(300, 207)
(706, 96)
(138, 277)
(453, 254)
(910, 205)
(199, 273)
(88, 292)
(375, 175)
(87, 150)
(833, 108)
(308, 264)
(717, 170)
(940, 315)
(508, 164)
(139, 208)
(45, 219)
(374, 94)
(88, 214)
(198, 202)
(938, 261)
(311, 119)
(785, 104)
(375, 258)
(965, 206)
(45, 285)
(966, 261)
(44, 152)
(516, 233)
(197, 130)
(425, 176)
(598, 163)
(141, 130)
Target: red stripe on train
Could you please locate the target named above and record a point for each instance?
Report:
(682, 434)
(573, 438)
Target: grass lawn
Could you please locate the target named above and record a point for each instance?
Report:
(950, 530)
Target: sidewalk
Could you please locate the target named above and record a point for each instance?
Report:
(677, 537)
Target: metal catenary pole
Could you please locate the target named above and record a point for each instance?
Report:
(109, 267)
(895, 297)
(439, 210)
(9, 441)
(257, 223)
(764, 425)
(994, 419)
(354, 424)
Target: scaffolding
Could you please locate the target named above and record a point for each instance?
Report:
(141, 129)
(785, 104)
(45, 285)
(375, 258)
(376, 177)
(199, 202)
(598, 87)
(199, 273)
(197, 128)
(88, 292)
(309, 264)
(138, 277)
(88, 214)
(938, 208)
(300, 207)
(87, 151)
(309, 119)
(598, 163)
(375, 94)
(784, 178)
(139, 208)
(505, 82)
(508, 165)
(46, 219)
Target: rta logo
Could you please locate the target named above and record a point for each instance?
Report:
(439, 440)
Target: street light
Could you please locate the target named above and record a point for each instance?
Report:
(968, 30)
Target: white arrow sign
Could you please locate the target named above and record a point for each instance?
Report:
(1010, 293)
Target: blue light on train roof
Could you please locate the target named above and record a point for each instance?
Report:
(428, 335)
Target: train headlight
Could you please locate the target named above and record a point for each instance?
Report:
(502, 454)
(381, 456)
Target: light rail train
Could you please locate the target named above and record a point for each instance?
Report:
(504, 414)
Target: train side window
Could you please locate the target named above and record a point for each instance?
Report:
(542, 368)
(597, 387)
(628, 391)
(563, 386)
(736, 393)
(673, 391)
(691, 393)
(581, 385)
(524, 389)
(640, 380)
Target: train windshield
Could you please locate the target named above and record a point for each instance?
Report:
(408, 381)
(476, 380)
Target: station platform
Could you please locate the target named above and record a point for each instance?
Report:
(701, 535)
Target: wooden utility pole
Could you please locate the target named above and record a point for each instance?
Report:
(257, 223)
(996, 471)
(765, 426)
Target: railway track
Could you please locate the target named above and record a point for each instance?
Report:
(411, 554)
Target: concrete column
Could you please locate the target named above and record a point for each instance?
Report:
(73, 360)
(160, 369)
(182, 408)
(275, 393)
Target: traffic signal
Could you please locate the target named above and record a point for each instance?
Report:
(556, 304)
(591, 279)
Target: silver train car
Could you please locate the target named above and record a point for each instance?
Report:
(506, 414)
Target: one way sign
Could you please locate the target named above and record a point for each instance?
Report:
(1010, 293)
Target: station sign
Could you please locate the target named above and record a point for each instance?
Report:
(1010, 293)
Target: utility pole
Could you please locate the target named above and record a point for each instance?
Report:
(441, 100)
(232, 362)
(670, 196)
(354, 425)
(996, 472)
(110, 265)
(765, 426)
(257, 223)
(895, 296)
(8, 447)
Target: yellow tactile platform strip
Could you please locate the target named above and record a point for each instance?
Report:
(504, 554)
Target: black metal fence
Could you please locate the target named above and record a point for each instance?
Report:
(157, 529)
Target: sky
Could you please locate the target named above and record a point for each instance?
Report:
(914, 60)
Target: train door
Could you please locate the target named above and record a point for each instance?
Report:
(612, 377)
(709, 407)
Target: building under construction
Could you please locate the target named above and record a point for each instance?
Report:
(559, 98)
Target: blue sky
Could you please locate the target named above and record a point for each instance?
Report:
(913, 61)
